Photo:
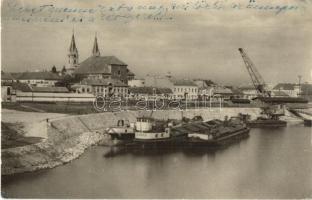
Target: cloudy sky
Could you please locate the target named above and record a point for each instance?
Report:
(199, 43)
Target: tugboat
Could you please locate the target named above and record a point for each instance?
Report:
(149, 131)
(216, 133)
(122, 131)
(269, 118)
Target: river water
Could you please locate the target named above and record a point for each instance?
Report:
(269, 164)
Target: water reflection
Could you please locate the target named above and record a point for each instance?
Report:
(269, 164)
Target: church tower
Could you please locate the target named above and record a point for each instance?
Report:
(95, 50)
(72, 54)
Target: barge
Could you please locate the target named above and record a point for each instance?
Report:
(307, 122)
(150, 133)
(216, 133)
(269, 118)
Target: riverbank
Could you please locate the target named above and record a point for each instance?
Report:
(46, 154)
(68, 136)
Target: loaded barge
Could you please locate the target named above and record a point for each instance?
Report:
(217, 132)
(149, 132)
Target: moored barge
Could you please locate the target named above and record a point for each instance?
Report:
(217, 133)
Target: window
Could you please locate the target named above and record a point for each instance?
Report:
(83, 90)
(119, 72)
(88, 90)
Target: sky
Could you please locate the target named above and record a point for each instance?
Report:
(191, 43)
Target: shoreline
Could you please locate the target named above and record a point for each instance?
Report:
(68, 137)
(46, 154)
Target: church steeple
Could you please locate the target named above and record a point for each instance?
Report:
(95, 51)
(73, 53)
(72, 47)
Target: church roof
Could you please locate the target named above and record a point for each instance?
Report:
(98, 64)
(72, 47)
(95, 51)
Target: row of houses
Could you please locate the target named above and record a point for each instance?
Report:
(166, 87)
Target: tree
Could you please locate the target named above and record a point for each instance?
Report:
(64, 70)
(53, 70)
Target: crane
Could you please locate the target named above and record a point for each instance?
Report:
(256, 78)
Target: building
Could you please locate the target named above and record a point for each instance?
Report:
(223, 92)
(184, 89)
(7, 90)
(158, 81)
(306, 91)
(249, 92)
(130, 75)
(102, 67)
(136, 83)
(102, 87)
(205, 88)
(291, 89)
(39, 79)
(181, 88)
(150, 93)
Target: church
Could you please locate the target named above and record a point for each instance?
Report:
(97, 66)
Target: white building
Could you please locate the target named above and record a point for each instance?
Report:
(181, 88)
(102, 87)
(136, 83)
(184, 89)
(291, 89)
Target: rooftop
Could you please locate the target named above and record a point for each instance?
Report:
(38, 76)
(222, 91)
(6, 76)
(285, 86)
(21, 86)
(183, 82)
(149, 90)
(98, 64)
(50, 89)
(104, 82)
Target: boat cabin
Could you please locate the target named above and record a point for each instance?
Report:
(149, 129)
(144, 124)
